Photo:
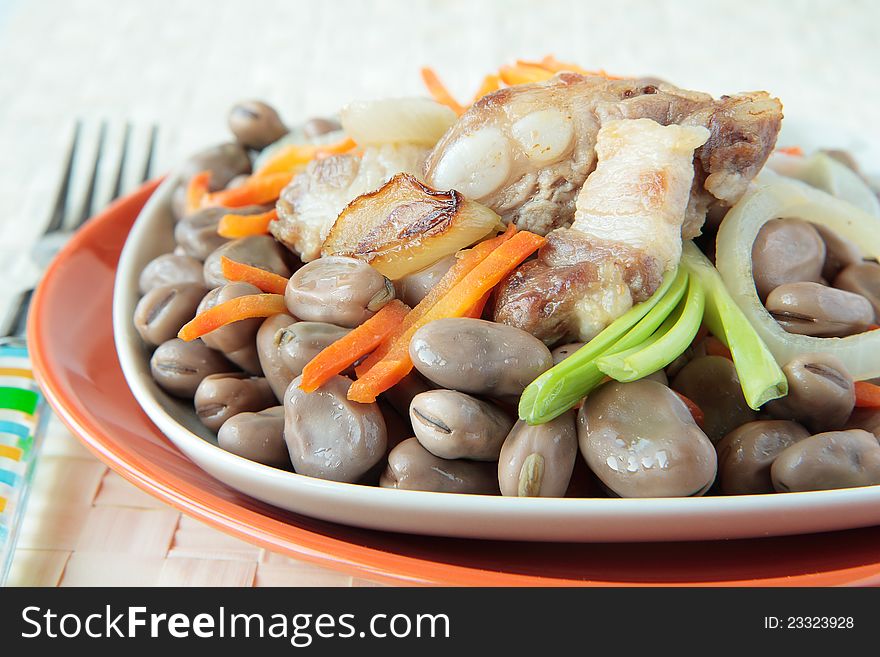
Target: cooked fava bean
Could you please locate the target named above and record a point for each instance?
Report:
(786, 251)
(835, 459)
(255, 124)
(274, 369)
(225, 162)
(237, 340)
(179, 367)
(864, 279)
(258, 251)
(821, 393)
(222, 396)
(659, 376)
(537, 461)
(479, 357)
(257, 437)
(640, 439)
(197, 234)
(413, 288)
(865, 418)
(820, 311)
(162, 311)
(330, 437)
(317, 126)
(711, 382)
(412, 467)
(840, 252)
(564, 351)
(453, 425)
(746, 454)
(401, 395)
(338, 290)
(169, 269)
(301, 342)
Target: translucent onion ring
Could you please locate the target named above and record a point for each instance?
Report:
(773, 197)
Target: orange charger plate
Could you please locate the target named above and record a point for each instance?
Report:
(71, 341)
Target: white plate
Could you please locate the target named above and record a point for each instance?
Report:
(471, 516)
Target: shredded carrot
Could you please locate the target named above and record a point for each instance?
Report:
(465, 262)
(491, 82)
(439, 92)
(234, 310)
(356, 344)
(295, 157)
(257, 190)
(233, 226)
(196, 190)
(873, 327)
(797, 151)
(477, 311)
(714, 347)
(696, 411)
(523, 74)
(455, 303)
(267, 281)
(867, 395)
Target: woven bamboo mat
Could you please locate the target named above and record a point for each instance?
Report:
(87, 526)
(181, 64)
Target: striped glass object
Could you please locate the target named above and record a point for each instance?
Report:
(22, 420)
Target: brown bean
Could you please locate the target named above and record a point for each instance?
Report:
(222, 396)
(711, 382)
(258, 251)
(238, 341)
(170, 269)
(179, 367)
(746, 454)
(300, 342)
(564, 351)
(257, 437)
(162, 312)
(317, 126)
(413, 288)
(641, 440)
(255, 124)
(268, 344)
(835, 459)
(225, 162)
(412, 467)
(537, 461)
(821, 393)
(786, 251)
(820, 311)
(840, 252)
(864, 279)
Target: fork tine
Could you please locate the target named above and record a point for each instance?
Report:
(56, 220)
(117, 184)
(89, 200)
(151, 149)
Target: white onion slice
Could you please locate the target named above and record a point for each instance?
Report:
(824, 172)
(396, 120)
(772, 197)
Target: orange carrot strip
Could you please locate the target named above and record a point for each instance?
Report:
(455, 303)
(465, 262)
(523, 74)
(267, 281)
(873, 327)
(696, 411)
(234, 226)
(714, 347)
(336, 148)
(196, 190)
(343, 353)
(491, 82)
(439, 92)
(295, 157)
(797, 151)
(246, 307)
(258, 190)
(867, 395)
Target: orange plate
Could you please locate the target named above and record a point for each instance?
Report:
(72, 346)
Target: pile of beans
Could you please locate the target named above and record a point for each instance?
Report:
(450, 426)
(813, 281)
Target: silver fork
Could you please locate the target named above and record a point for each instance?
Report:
(62, 224)
(64, 220)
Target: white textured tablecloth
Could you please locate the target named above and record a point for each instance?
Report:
(181, 63)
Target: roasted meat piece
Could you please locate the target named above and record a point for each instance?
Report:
(312, 201)
(525, 151)
(626, 234)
